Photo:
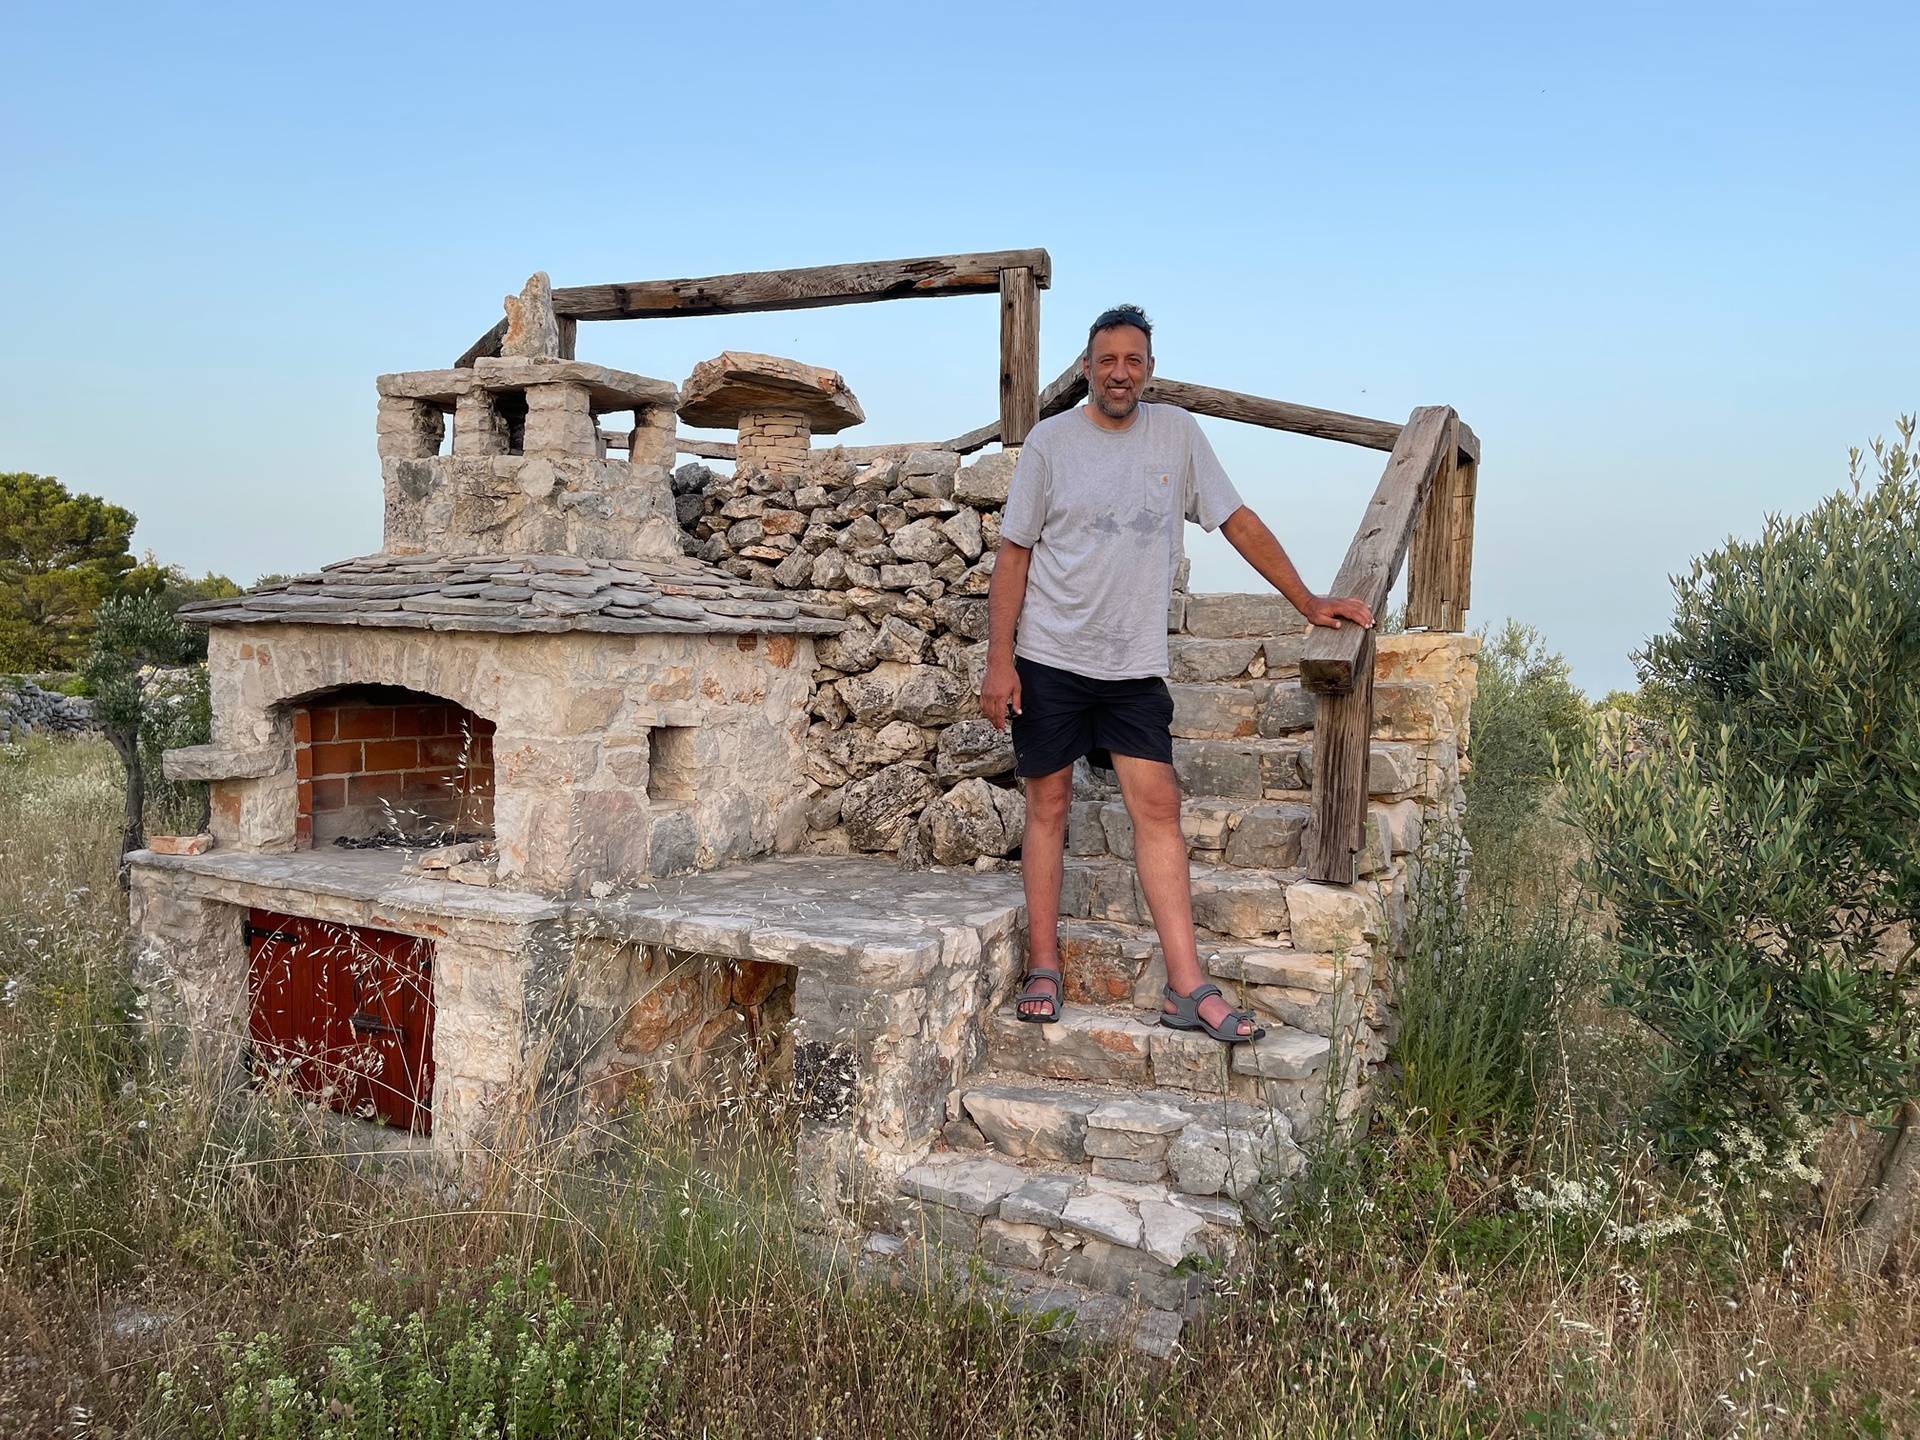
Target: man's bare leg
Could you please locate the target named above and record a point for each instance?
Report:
(1043, 850)
(1152, 793)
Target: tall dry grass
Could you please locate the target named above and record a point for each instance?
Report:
(151, 1228)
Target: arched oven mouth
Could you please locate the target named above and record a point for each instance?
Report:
(379, 766)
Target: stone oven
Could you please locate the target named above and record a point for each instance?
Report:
(528, 697)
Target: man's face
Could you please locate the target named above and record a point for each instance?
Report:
(1119, 364)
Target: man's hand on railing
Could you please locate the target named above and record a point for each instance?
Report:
(1333, 610)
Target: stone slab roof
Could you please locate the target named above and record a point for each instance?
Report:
(524, 594)
(610, 389)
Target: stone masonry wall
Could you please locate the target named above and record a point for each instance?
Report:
(898, 757)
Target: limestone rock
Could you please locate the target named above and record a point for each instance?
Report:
(1215, 1160)
(1332, 919)
(974, 819)
(986, 481)
(1030, 1122)
(975, 1186)
(973, 747)
(1170, 1233)
(879, 810)
(922, 540)
(533, 333)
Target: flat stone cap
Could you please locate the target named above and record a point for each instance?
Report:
(736, 383)
(524, 594)
(610, 389)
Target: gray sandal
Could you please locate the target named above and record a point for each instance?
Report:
(1185, 1015)
(1029, 995)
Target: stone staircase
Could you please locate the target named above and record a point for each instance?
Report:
(1108, 1157)
(1106, 1161)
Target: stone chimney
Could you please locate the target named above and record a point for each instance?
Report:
(527, 470)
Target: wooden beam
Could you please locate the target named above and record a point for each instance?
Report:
(1330, 663)
(486, 347)
(803, 289)
(725, 450)
(1469, 444)
(569, 336)
(1274, 414)
(1019, 354)
(1342, 745)
(1063, 392)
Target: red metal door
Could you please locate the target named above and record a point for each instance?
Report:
(344, 1014)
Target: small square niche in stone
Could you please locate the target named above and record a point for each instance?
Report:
(670, 764)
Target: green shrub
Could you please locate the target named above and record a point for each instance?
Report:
(525, 1363)
(1481, 993)
(1754, 860)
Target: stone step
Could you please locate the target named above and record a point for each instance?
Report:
(1250, 834)
(1197, 659)
(1241, 709)
(1143, 1242)
(1261, 768)
(1059, 1309)
(1227, 899)
(1113, 1131)
(1105, 963)
(1127, 1048)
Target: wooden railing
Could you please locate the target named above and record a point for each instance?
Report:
(1424, 501)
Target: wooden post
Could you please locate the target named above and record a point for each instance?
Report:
(1431, 602)
(1342, 742)
(569, 336)
(1019, 354)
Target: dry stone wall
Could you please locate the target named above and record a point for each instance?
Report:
(899, 758)
(26, 709)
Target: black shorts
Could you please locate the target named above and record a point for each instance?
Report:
(1064, 716)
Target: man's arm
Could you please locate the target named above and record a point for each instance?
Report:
(1249, 534)
(1000, 690)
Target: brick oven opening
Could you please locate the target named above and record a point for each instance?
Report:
(377, 764)
(343, 1015)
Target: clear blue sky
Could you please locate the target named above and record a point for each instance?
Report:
(1662, 257)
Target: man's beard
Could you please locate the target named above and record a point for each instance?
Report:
(1124, 408)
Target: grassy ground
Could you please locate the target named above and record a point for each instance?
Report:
(178, 1260)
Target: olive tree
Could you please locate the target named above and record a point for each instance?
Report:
(1757, 862)
(132, 636)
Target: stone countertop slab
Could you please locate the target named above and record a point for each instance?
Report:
(798, 910)
(374, 876)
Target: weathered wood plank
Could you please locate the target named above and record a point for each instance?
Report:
(569, 336)
(1329, 664)
(1431, 601)
(487, 346)
(1342, 740)
(725, 450)
(803, 289)
(1063, 392)
(1466, 489)
(1019, 354)
(1274, 414)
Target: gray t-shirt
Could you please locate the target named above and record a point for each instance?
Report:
(1102, 511)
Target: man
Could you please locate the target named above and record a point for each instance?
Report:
(1077, 643)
